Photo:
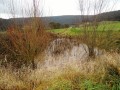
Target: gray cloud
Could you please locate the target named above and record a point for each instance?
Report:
(3, 7)
(19, 7)
(26, 6)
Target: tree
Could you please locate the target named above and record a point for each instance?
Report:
(66, 26)
(54, 25)
(90, 35)
(57, 26)
(26, 44)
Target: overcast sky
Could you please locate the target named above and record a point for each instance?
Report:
(51, 7)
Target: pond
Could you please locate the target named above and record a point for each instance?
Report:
(64, 50)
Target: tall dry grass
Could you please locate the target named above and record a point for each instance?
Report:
(73, 73)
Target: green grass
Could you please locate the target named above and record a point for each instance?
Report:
(57, 30)
(109, 26)
(68, 31)
(103, 26)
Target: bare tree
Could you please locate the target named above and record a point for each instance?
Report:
(30, 39)
(90, 11)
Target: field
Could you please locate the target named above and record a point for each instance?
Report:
(59, 45)
(104, 26)
(52, 60)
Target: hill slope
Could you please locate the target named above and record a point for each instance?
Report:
(67, 19)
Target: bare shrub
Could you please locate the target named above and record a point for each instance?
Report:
(27, 41)
(95, 32)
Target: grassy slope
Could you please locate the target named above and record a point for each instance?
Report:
(76, 31)
(104, 26)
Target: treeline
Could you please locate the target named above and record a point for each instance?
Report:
(54, 25)
(61, 21)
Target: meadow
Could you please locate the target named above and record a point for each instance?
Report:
(85, 56)
(101, 72)
(103, 27)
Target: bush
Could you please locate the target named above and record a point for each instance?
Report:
(25, 45)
